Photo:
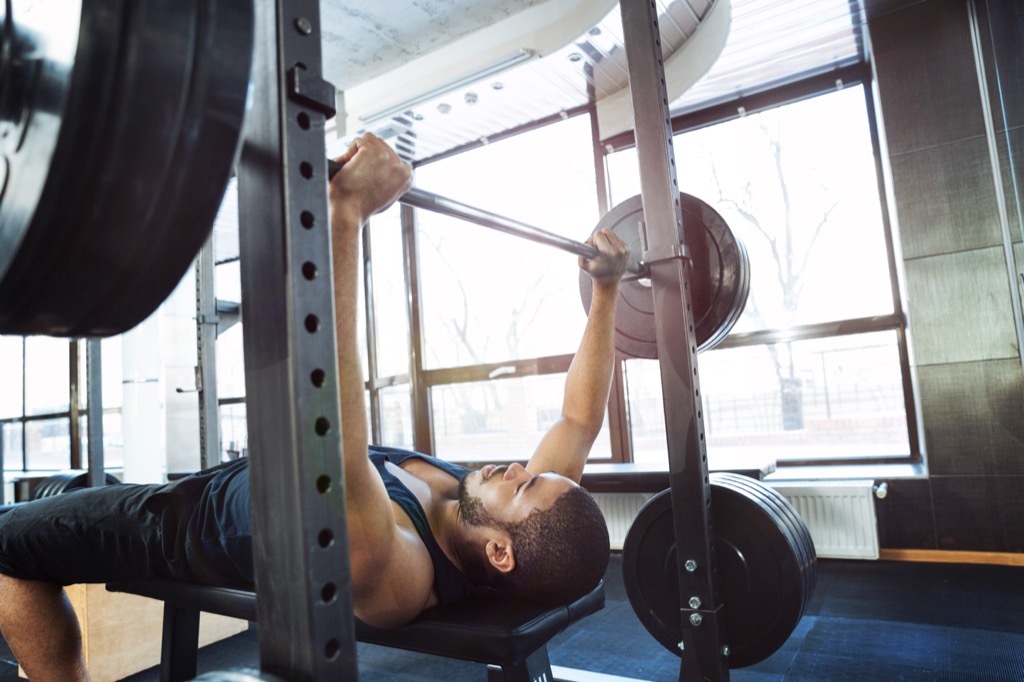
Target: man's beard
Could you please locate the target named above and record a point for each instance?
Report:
(471, 508)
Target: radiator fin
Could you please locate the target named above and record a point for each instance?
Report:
(839, 514)
(619, 510)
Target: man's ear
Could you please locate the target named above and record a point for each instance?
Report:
(500, 554)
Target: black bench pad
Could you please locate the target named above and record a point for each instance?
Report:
(479, 629)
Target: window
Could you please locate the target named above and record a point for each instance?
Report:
(812, 369)
(490, 297)
(492, 304)
(41, 429)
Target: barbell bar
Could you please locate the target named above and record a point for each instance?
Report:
(420, 198)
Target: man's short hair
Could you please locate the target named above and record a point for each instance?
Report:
(561, 553)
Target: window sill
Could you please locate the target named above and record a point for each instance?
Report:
(847, 472)
(646, 477)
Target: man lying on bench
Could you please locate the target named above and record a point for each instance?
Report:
(421, 531)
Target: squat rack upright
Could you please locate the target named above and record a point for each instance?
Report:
(300, 539)
(702, 651)
(300, 543)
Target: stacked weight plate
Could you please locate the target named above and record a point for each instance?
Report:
(766, 568)
(56, 484)
(119, 124)
(719, 278)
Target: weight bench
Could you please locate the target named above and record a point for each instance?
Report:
(510, 637)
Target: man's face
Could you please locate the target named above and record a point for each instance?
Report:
(508, 493)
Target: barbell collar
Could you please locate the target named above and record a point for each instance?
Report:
(671, 252)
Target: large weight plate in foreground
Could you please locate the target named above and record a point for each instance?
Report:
(719, 282)
(805, 552)
(108, 202)
(760, 574)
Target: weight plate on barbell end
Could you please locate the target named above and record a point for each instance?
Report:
(719, 281)
(758, 577)
(798, 529)
(37, 52)
(147, 138)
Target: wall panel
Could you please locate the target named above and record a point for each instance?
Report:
(973, 414)
(946, 198)
(959, 306)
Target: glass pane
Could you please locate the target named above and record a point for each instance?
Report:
(113, 373)
(228, 281)
(230, 364)
(48, 443)
(10, 376)
(798, 185)
(396, 417)
(500, 420)
(12, 441)
(389, 293)
(488, 296)
(47, 376)
(113, 440)
(233, 435)
(831, 398)
(776, 41)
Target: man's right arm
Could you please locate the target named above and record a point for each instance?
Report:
(371, 179)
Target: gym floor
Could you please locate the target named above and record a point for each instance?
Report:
(868, 621)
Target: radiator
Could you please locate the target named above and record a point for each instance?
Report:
(839, 514)
(619, 510)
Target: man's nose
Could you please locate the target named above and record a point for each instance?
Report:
(514, 471)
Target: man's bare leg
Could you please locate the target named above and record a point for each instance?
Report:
(42, 630)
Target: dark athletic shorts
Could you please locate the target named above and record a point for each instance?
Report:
(113, 533)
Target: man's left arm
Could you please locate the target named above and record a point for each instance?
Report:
(566, 446)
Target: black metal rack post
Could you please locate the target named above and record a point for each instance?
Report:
(670, 268)
(304, 606)
(94, 411)
(206, 357)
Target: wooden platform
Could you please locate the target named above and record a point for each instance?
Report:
(121, 633)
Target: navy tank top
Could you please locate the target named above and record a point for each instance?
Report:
(449, 581)
(218, 540)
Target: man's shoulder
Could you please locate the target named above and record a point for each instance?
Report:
(393, 586)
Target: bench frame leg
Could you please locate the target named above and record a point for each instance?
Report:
(536, 668)
(179, 649)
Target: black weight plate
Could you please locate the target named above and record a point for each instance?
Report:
(771, 506)
(799, 535)
(803, 532)
(44, 73)
(79, 481)
(719, 280)
(759, 576)
(55, 484)
(141, 163)
(51, 485)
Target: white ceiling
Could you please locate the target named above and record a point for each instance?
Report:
(437, 73)
(400, 49)
(366, 38)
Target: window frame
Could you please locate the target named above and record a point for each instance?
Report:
(421, 381)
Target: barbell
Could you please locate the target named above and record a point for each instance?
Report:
(435, 203)
(720, 280)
